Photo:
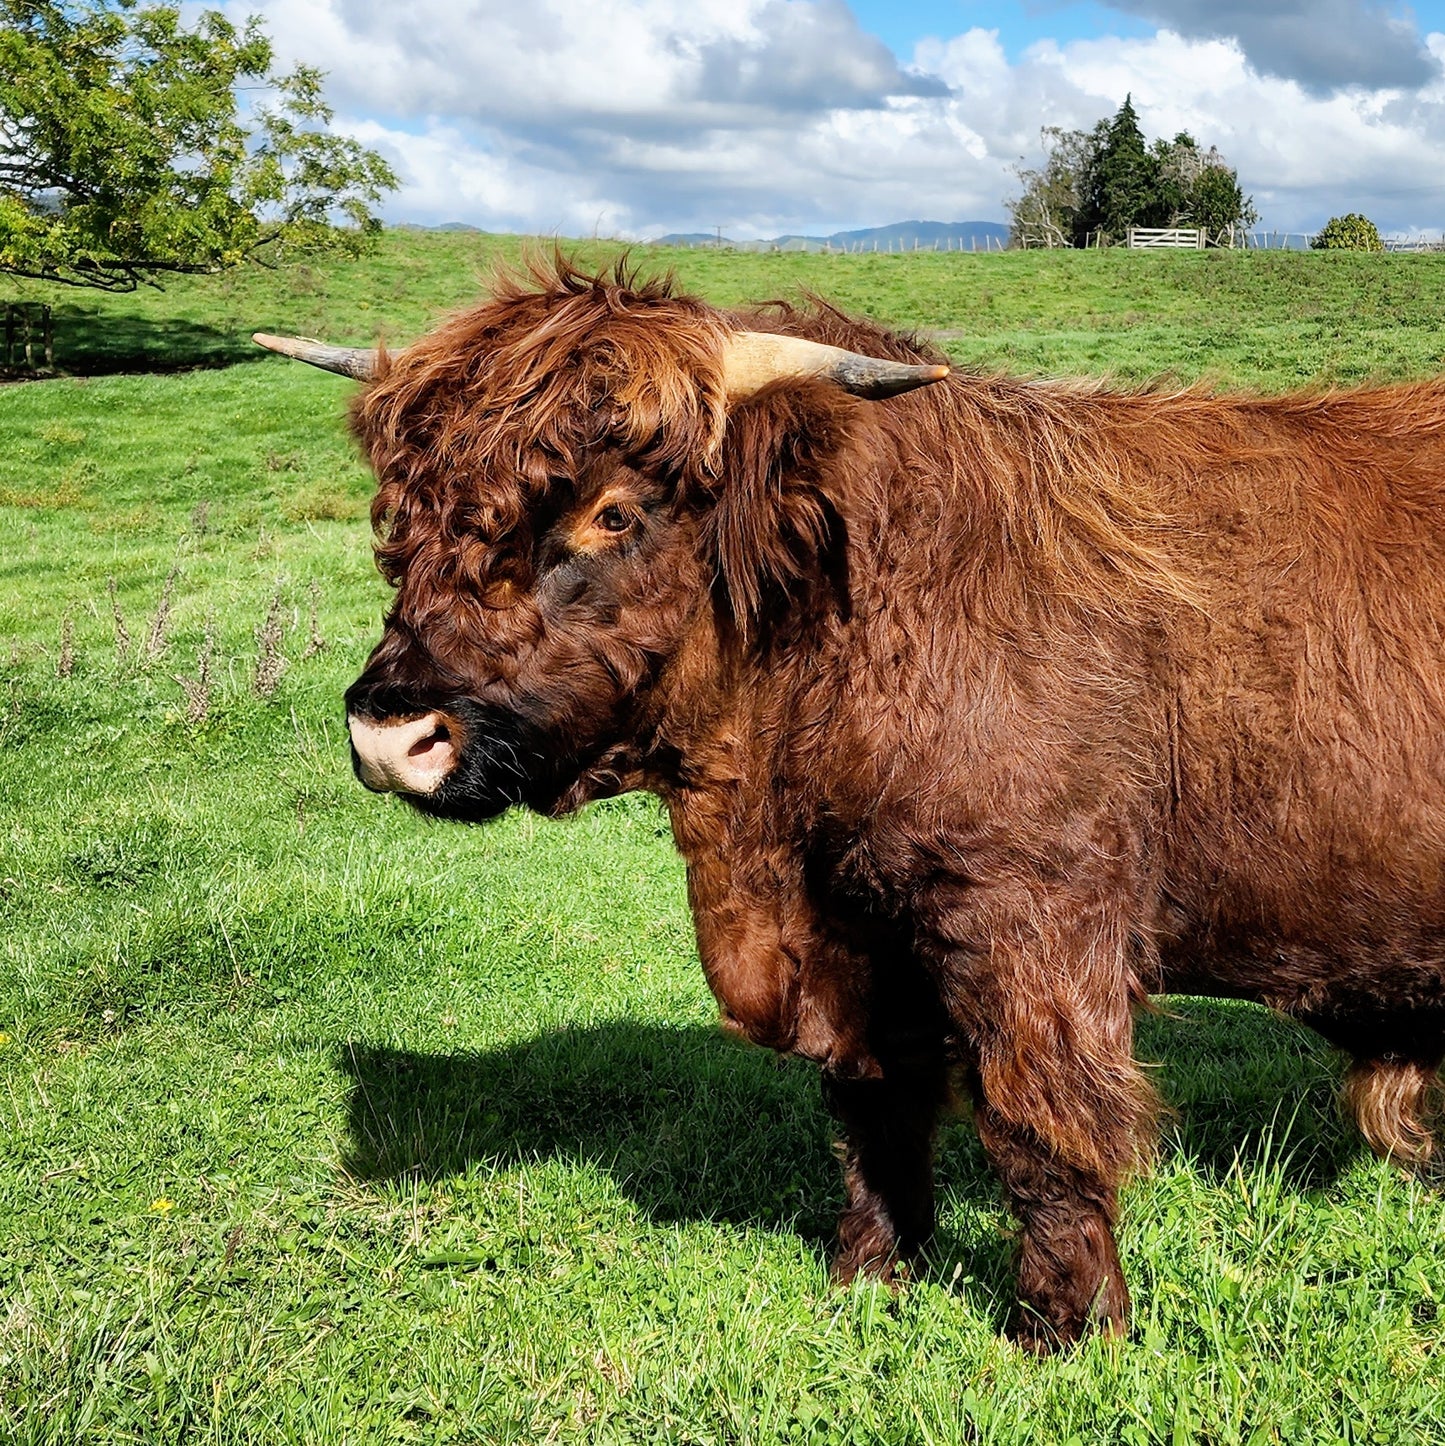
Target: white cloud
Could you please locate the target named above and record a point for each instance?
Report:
(1325, 45)
(611, 64)
(449, 176)
(636, 117)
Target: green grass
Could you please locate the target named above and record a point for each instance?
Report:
(325, 1124)
(1271, 319)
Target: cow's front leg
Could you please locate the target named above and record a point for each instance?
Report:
(1062, 1108)
(887, 1148)
(1069, 1277)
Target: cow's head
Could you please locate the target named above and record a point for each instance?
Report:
(574, 477)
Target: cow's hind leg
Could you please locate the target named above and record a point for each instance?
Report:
(887, 1149)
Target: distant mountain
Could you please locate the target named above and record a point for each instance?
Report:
(900, 236)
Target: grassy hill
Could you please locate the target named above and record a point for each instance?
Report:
(325, 1124)
(1270, 319)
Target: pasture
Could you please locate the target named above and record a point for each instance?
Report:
(324, 1124)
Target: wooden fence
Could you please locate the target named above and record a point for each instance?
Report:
(29, 338)
(1169, 237)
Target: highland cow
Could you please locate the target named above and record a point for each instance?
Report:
(982, 708)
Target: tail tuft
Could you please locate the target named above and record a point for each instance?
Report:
(1389, 1099)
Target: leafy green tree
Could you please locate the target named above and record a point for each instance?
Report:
(1196, 187)
(1043, 215)
(125, 154)
(1353, 232)
(1098, 183)
(1217, 202)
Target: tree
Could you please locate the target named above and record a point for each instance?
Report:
(1120, 182)
(1217, 203)
(125, 154)
(1044, 214)
(1353, 232)
(1098, 183)
(1178, 165)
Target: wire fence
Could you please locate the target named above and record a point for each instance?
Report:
(894, 246)
(1415, 243)
(1276, 240)
(1258, 240)
(1303, 240)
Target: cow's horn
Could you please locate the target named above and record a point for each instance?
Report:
(752, 359)
(349, 361)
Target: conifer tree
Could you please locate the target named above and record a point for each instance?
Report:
(1120, 179)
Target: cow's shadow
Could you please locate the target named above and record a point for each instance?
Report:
(691, 1124)
(694, 1126)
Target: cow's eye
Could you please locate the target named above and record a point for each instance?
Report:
(613, 519)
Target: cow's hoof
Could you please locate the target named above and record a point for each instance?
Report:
(883, 1265)
(1032, 1331)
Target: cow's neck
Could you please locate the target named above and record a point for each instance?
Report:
(766, 956)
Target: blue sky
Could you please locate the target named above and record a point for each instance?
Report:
(639, 117)
(902, 26)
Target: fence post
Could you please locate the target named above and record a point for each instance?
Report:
(29, 343)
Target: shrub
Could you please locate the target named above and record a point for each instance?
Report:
(1348, 233)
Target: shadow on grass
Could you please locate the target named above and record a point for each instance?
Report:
(1246, 1086)
(101, 343)
(694, 1126)
(691, 1124)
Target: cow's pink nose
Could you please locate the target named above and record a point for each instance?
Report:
(408, 757)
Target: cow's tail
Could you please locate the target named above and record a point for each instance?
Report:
(1390, 1099)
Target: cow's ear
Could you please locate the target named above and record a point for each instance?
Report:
(777, 530)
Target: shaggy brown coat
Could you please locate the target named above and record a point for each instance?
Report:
(980, 713)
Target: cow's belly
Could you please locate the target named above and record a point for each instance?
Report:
(1366, 956)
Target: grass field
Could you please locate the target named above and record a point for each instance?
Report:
(324, 1124)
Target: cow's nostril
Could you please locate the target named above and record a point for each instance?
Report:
(424, 746)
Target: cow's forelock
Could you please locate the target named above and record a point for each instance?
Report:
(470, 429)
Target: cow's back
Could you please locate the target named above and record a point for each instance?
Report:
(1304, 817)
(1227, 656)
